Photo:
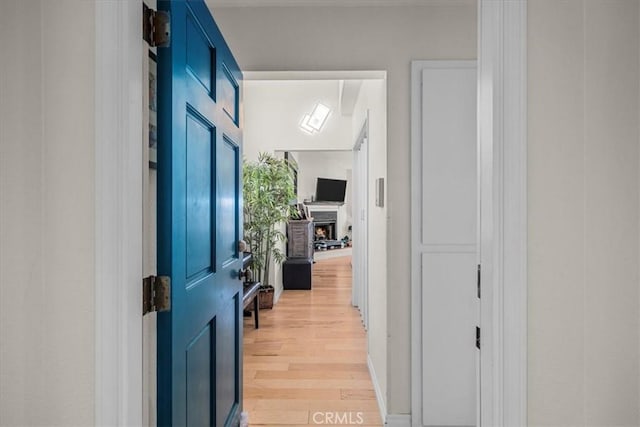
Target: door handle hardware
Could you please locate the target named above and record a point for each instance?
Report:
(245, 274)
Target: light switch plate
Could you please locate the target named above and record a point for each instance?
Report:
(380, 192)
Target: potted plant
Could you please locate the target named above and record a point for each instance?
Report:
(268, 191)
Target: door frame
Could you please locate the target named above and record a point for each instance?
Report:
(118, 200)
(502, 145)
(118, 227)
(502, 169)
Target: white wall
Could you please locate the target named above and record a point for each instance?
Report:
(373, 102)
(273, 110)
(369, 38)
(583, 212)
(47, 212)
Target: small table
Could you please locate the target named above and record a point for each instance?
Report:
(250, 293)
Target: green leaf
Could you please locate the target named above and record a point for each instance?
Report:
(268, 190)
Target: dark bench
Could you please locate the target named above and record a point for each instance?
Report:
(250, 290)
(250, 293)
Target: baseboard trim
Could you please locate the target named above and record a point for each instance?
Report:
(398, 420)
(376, 386)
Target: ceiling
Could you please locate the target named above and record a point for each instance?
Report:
(320, 3)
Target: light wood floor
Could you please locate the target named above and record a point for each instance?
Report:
(308, 360)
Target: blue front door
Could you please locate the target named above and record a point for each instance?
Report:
(199, 224)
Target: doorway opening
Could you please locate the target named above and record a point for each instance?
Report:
(316, 348)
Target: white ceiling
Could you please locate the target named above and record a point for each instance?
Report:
(319, 3)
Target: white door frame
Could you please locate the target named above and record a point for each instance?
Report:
(118, 227)
(502, 167)
(502, 132)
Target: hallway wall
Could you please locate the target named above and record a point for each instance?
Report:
(367, 38)
(47, 212)
(372, 101)
(583, 212)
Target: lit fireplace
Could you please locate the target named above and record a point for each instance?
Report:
(325, 225)
(325, 232)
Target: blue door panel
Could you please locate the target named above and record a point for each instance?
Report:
(200, 378)
(200, 231)
(228, 161)
(200, 54)
(227, 364)
(229, 92)
(199, 223)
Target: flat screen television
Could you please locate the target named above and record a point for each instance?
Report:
(330, 190)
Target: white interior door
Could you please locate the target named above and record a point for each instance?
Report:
(364, 225)
(355, 232)
(360, 225)
(444, 241)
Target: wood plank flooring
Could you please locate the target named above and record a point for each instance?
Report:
(307, 364)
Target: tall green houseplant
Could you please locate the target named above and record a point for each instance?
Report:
(268, 193)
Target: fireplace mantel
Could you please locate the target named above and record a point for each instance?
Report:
(316, 203)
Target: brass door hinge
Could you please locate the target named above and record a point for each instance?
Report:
(156, 294)
(156, 27)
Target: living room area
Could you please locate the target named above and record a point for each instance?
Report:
(308, 358)
(316, 348)
(324, 189)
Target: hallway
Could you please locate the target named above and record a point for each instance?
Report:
(307, 364)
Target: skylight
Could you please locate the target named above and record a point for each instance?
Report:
(314, 122)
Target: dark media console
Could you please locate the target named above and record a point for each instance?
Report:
(296, 270)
